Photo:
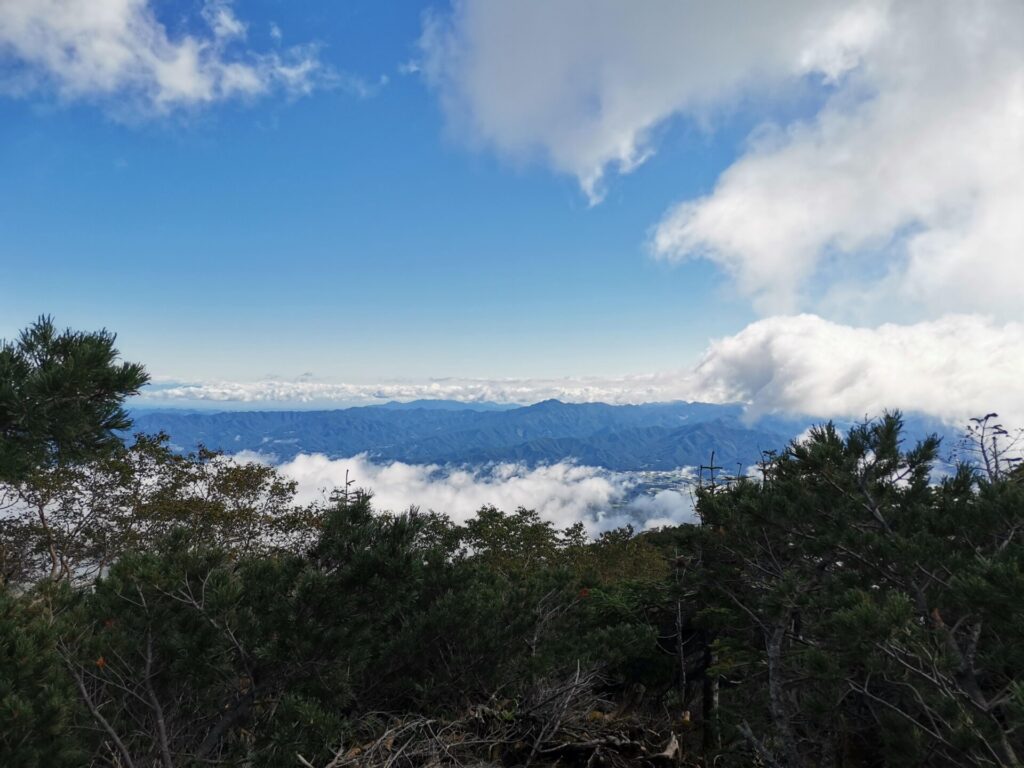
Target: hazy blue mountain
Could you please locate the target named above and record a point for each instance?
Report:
(444, 405)
(651, 448)
(656, 436)
(651, 436)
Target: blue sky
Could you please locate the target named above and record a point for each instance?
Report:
(344, 235)
(593, 200)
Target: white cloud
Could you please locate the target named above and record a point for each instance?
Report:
(222, 20)
(359, 86)
(664, 507)
(118, 51)
(583, 82)
(897, 198)
(562, 493)
(953, 368)
(911, 175)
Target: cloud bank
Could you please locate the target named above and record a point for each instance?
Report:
(896, 192)
(562, 493)
(119, 52)
(952, 368)
(634, 389)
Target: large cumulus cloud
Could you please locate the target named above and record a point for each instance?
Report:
(905, 188)
(954, 368)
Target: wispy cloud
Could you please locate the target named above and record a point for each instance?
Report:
(358, 86)
(119, 53)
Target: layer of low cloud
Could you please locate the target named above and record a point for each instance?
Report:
(896, 198)
(120, 53)
(952, 368)
(562, 493)
(631, 389)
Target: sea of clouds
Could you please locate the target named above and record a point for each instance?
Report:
(561, 493)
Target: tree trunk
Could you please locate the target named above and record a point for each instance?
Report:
(709, 703)
(777, 696)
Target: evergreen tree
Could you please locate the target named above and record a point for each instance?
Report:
(38, 706)
(864, 613)
(61, 396)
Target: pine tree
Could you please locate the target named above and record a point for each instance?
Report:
(61, 396)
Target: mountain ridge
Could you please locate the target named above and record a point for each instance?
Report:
(650, 436)
(621, 437)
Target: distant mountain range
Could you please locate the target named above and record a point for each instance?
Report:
(655, 436)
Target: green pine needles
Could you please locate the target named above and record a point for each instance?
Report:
(61, 396)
